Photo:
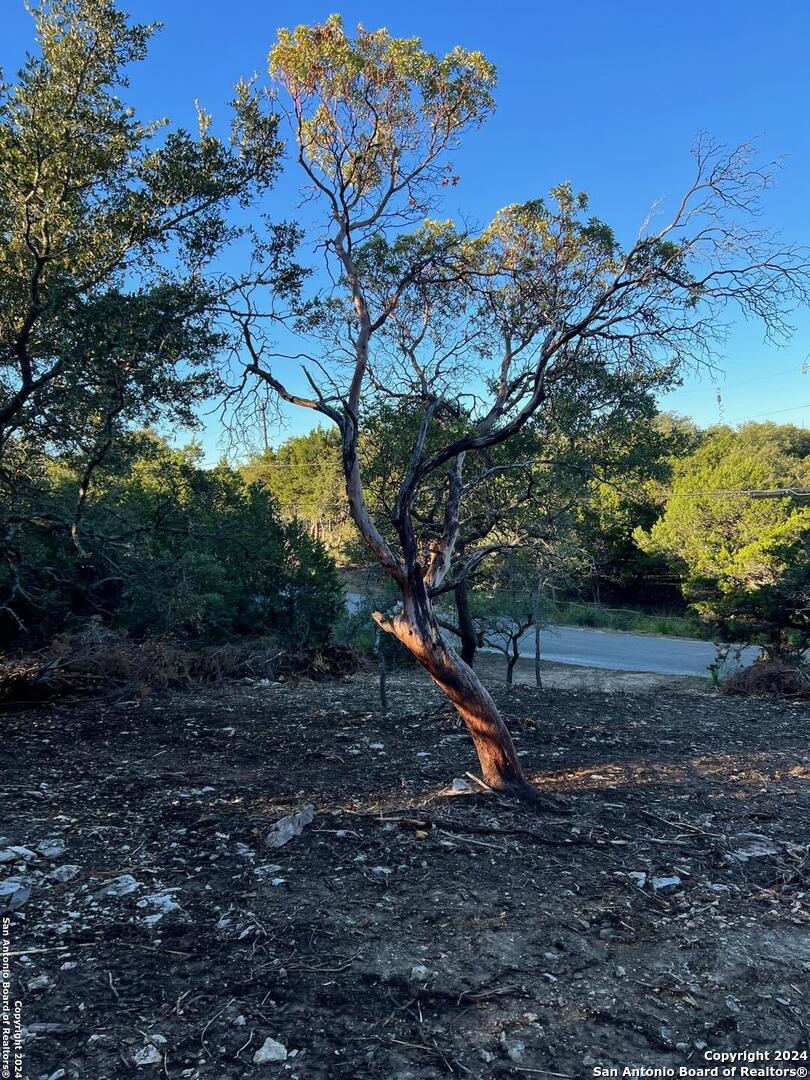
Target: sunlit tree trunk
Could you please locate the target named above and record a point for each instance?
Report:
(416, 627)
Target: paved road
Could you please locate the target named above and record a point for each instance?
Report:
(617, 651)
(625, 652)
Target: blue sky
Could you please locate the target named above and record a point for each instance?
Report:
(606, 95)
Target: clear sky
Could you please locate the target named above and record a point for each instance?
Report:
(606, 95)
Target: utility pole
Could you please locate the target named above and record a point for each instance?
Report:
(719, 400)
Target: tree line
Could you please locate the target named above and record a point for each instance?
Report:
(165, 548)
(714, 522)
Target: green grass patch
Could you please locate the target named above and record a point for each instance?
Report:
(599, 617)
(628, 619)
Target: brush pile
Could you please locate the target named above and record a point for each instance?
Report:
(771, 677)
(97, 660)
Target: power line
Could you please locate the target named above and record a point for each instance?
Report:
(267, 464)
(753, 493)
(771, 412)
(280, 464)
(323, 464)
(706, 389)
(294, 464)
(742, 382)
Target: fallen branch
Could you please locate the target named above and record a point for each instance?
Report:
(491, 830)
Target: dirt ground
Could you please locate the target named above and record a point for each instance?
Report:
(406, 933)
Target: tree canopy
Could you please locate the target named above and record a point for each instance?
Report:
(110, 292)
(108, 225)
(737, 529)
(305, 477)
(168, 549)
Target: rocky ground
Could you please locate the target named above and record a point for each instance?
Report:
(167, 921)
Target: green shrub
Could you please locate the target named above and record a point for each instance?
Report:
(169, 549)
(622, 620)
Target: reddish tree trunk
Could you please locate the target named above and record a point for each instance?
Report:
(416, 627)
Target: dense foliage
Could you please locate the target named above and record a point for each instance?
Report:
(637, 509)
(169, 548)
(111, 229)
(736, 528)
(305, 477)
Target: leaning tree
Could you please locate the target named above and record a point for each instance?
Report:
(476, 331)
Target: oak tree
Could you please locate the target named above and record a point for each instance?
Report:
(110, 232)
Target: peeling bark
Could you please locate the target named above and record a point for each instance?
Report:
(416, 627)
